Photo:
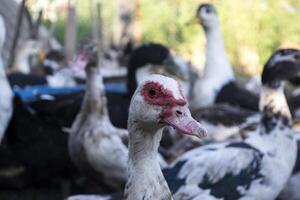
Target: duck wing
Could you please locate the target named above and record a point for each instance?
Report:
(235, 94)
(198, 173)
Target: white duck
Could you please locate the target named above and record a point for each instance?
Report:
(218, 82)
(95, 145)
(6, 107)
(26, 49)
(157, 102)
(216, 59)
(256, 168)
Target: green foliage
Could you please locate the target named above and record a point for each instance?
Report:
(259, 26)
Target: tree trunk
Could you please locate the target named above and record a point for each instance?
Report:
(17, 34)
(70, 33)
(123, 22)
(137, 27)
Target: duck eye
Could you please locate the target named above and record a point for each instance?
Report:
(208, 10)
(152, 93)
(297, 57)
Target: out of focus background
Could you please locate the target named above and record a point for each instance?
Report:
(252, 29)
(68, 72)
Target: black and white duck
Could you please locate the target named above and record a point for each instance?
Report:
(157, 102)
(218, 83)
(256, 168)
(95, 145)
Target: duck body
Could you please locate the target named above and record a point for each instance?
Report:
(242, 97)
(95, 145)
(224, 121)
(247, 169)
(290, 191)
(103, 157)
(39, 145)
(240, 170)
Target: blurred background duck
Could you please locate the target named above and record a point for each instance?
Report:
(218, 83)
(263, 162)
(24, 54)
(95, 145)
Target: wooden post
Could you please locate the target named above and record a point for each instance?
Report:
(18, 28)
(93, 20)
(123, 22)
(70, 33)
(137, 29)
(99, 33)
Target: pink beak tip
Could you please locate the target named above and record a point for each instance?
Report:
(200, 132)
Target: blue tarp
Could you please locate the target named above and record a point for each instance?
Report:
(31, 93)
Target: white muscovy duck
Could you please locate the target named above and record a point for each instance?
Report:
(27, 48)
(6, 95)
(157, 102)
(256, 168)
(218, 82)
(95, 145)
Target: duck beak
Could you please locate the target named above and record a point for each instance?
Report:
(182, 120)
(193, 21)
(80, 61)
(41, 55)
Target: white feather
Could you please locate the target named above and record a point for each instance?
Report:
(6, 107)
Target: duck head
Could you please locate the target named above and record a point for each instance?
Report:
(283, 65)
(86, 56)
(149, 59)
(159, 101)
(207, 16)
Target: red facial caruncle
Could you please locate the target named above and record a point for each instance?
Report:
(155, 94)
(175, 113)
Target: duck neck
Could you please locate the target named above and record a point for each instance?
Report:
(94, 102)
(216, 63)
(2, 70)
(21, 63)
(146, 180)
(274, 107)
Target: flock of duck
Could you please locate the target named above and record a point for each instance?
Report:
(110, 140)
